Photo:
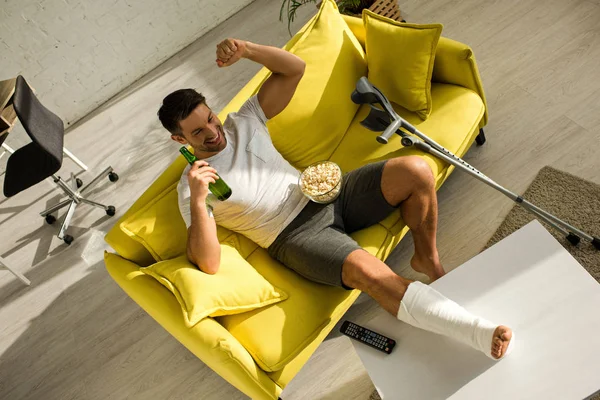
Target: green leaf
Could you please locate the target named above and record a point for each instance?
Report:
(292, 8)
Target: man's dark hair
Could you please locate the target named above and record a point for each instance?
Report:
(178, 106)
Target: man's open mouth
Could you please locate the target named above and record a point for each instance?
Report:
(214, 140)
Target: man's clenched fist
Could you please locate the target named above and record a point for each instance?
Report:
(230, 51)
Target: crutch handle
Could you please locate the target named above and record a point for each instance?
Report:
(389, 131)
(366, 93)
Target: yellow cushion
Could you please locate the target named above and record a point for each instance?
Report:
(122, 241)
(313, 124)
(159, 227)
(400, 58)
(275, 335)
(235, 288)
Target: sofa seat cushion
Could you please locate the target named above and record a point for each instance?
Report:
(456, 111)
(314, 122)
(276, 334)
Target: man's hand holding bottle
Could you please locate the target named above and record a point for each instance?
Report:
(199, 177)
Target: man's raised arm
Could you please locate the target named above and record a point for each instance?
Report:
(287, 68)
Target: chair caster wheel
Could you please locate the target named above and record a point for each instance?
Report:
(111, 211)
(50, 219)
(113, 177)
(596, 243)
(79, 183)
(68, 239)
(573, 239)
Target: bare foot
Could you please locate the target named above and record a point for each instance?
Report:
(433, 270)
(500, 341)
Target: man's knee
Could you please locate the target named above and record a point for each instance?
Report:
(421, 169)
(405, 176)
(417, 168)
(365, 272)
(354, 270)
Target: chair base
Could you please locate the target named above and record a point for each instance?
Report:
(75, 198)
(14, 272)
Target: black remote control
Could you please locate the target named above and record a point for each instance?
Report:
(368, 337)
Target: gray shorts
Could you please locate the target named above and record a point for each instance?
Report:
(316, 243)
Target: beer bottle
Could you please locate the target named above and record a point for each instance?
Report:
(220, 189)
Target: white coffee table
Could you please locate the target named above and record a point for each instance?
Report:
(527, 281)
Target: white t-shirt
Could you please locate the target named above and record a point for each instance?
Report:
(265, 193)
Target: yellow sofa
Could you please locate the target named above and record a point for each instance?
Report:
(259, 352)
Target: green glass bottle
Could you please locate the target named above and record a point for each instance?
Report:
(220, 189)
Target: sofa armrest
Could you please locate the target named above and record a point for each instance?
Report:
(455, 64)
(208, 339)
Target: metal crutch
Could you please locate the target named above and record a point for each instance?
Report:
(388, 121)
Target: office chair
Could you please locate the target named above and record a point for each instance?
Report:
(43, 157)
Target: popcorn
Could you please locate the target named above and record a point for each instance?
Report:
(321, 182)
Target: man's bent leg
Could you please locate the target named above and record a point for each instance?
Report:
(409, 182)
(422, 306)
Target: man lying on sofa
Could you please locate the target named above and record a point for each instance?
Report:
(313, 239)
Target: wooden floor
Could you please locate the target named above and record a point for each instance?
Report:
(75, 335)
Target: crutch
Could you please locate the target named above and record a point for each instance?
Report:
(387, 120)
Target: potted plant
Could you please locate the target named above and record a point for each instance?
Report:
(349, 7)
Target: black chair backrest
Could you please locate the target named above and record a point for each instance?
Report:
(40, 159)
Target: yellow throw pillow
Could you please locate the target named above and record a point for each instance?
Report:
(400, 58)
(315, 121)
(160, 228)
(234, 289)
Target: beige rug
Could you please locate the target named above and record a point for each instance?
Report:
(572, 199)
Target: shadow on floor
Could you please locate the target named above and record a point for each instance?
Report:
(94, 342)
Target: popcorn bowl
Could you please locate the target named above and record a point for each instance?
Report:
(321, 182)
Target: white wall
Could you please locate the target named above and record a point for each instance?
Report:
(79, 53)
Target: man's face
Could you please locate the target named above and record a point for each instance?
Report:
(203, 130)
